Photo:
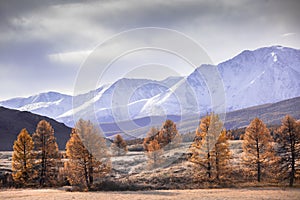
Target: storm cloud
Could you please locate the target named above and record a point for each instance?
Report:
(43, 43)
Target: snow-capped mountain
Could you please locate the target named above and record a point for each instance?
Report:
(265, 75)
(50, 104)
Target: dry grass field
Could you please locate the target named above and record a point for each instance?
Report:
(204, 194)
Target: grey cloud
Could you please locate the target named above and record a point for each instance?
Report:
(33, 29)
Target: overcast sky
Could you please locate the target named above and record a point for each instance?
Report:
(43, 43)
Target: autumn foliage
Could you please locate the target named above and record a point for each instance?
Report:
(258, 150)
(288, 140)
(210, 150)
(157, 141)
(87, 155)
(46, 154)
(266, 157)
(22, 160)
(119, 146)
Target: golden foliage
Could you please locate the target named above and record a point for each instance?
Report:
(47, 155)
(87, 155)
(158, 140)
(258, 155)
(168, 135)
(22, 160)
(210, 150)
(288, 140)
(119, 146)
(222, 157)
(153, 132)
(154, 154)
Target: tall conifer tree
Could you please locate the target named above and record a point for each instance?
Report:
(47, 154)
(288, 139)
(22, 160)
(210, 150)
(87, 155)
(258, 149)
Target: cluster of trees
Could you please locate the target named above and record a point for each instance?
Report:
(210, 150)
(158, 140)
(37, 161)
(274, 157)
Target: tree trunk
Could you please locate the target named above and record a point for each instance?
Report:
(91, 171)
(208, 166)
(258, 162)
(25, 163)
(86, 174)
(217, 166)
(292, 174)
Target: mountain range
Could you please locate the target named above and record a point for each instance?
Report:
(252, 78)
(13, 121)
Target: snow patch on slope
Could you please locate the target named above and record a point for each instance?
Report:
(38, 105)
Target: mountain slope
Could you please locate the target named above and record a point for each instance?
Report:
(252, 78)
(266, 75)
(51, 104)
(12, 121)
(271, 114)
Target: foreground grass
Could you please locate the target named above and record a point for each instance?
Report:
(207, 194)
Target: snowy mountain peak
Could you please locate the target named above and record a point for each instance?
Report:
(253, 77)
(48, 96)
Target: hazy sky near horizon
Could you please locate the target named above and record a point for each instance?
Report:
(43, 43)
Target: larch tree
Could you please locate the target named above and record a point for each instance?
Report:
(47, 155)
(119, 146)
(152, 148)
(151, 135)
(222, 157)
(168, 136)
(87, 155)
(207, 149)
(258, 151)
(154, 154)
(288, 141)
(22, 159)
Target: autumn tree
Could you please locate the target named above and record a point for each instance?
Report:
(288, 140)
(154, 154)
(87, 155)
(222, 156)
(168, 135)
(151, 135)
(47, 155)
(119, 146)
(152, 148)
(210, 149)
(258, 152)
(22, 160)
